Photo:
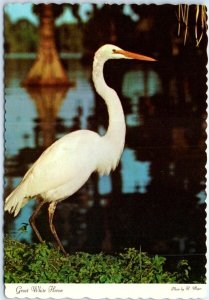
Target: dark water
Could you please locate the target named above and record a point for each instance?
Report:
(156, 198)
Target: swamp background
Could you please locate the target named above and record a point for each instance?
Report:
(155, 200)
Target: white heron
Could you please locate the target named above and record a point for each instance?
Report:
(66, 165)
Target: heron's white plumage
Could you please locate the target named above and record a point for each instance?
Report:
(63, 168)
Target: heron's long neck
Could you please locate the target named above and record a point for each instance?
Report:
(117, 128)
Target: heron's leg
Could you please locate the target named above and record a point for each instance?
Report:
(32, 221)
(51, 210)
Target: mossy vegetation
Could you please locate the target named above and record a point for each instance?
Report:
(42, 263)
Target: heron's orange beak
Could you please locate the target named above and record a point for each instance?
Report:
(135, 55)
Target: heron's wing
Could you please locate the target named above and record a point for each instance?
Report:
(67, 158)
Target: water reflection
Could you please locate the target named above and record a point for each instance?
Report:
(48, 101)
(155, 198)
(135, 173)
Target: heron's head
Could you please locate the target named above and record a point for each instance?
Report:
(109, 51)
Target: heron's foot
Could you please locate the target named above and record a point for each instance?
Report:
(63, 250)
(42, 241)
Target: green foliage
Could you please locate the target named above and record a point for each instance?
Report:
(41, 263)
(23, 37)
(20, 37)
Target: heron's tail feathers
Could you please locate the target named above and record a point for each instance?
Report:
(17, 199)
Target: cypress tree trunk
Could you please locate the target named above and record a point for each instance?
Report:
(47, 69)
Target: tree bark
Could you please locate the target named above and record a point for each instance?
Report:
(47, 70)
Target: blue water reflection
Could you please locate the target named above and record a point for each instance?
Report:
(137, 84)
(141, 83)
(19, 120)
(79, 99)
(135, 173)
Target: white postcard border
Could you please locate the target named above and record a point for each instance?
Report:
(110, 291)
(91, 291)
